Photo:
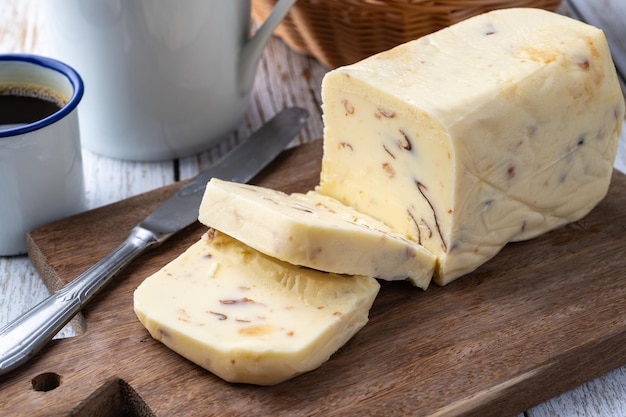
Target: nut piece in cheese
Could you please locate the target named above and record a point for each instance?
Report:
(315, 231)
(496, 129)
(247, 317)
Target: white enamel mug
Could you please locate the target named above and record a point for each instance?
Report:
(41, 169)
(163, 78)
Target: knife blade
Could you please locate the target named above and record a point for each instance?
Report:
(22, 338)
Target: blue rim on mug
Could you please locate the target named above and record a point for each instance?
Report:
(72, 76)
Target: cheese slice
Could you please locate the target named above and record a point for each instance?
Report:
(497, 129)
(315, 231)
(247, 317)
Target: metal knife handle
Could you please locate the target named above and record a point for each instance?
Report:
(24, 337)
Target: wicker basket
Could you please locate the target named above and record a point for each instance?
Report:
(340, 32)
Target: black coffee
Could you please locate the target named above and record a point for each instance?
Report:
(24, 104)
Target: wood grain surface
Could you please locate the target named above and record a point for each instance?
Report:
(540, 318)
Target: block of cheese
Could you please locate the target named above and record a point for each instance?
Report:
(247, 317)
(315, 231)
(496, 129)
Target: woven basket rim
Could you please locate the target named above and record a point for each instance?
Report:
(342, 32)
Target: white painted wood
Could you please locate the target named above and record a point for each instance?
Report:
(108, 180)
(284, 78)
(604, 396)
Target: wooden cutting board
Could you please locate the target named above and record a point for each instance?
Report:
(540, 318)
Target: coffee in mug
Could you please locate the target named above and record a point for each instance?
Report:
(21, 104)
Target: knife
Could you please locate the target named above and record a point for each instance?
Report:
(22, 338)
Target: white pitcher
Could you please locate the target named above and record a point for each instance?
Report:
(163, 78)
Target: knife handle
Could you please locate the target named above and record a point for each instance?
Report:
(22, 338)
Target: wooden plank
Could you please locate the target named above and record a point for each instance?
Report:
(540, 318)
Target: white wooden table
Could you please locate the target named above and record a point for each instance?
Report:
(284, 79)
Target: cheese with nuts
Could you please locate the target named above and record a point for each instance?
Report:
(315, 231)
(497, 129)
(247, 317)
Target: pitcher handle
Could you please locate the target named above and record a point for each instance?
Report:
(251, 52)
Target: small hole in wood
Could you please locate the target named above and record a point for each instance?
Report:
(46, 381)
